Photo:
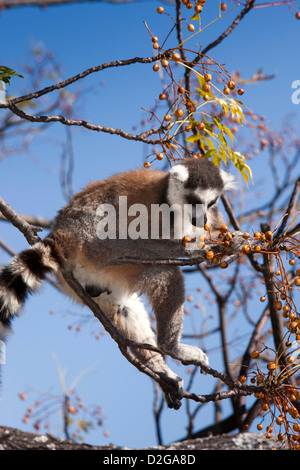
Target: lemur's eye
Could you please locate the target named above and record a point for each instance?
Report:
(191, 199)
(212, 203)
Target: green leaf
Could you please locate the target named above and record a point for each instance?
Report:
(196, 16)
(6, 73)
(210, 153)
(194, 138)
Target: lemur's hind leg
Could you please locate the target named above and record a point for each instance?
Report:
(129, 316)
(165, 289)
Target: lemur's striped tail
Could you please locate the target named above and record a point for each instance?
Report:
(23, 276)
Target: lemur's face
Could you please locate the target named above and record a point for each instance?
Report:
(198, 184)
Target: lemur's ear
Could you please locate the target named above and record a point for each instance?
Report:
(228, 180)
(179, 173)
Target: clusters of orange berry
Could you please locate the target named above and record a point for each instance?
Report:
(281, 396)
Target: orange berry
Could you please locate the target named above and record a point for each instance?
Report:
(246, 249)
(179, 113)
(147, 164)
(297, 282)
(160, 156)
(223, 265)
(298, 15)
(209, 255)
(164, 63)
(255, 354)
(241, 91)
(160, 10)
(231, 84)
(191, 28)
(271, 366)
(207, 77)
(155, 67)
(226, 91)
(176, 56)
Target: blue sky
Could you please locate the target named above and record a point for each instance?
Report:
(81, 36)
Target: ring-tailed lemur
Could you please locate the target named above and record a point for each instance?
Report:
(75, 244)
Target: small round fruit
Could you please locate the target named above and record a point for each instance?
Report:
(198, 8)
(271, 366)
(226, 91)
(246, 249)
(241, 91)
(207, 77)
(155, 67)
(160, 10)
(147, 164)
(260, 427)
(278, 305)
(165, 63)
(160, 156)
(297, 282)
(206, 97)
(154, 39)
(176, 56)
(231, 84)
(246, 235)
(223, 6)
(269, 235)
(168, 117)
(206, 228)
(191, 27)
(201, 126)
(255, 354)
(180, 89)
(162, 96)
(179, 113)
(223, 265)
(262, 299)
(298, 15)
(206, 87)
(209, 255)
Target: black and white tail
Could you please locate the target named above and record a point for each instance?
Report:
(23, 276)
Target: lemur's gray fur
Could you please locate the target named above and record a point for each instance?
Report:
(74, 244)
